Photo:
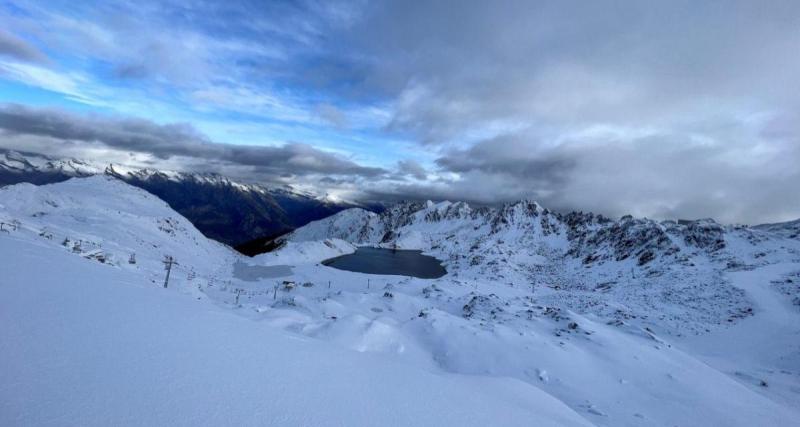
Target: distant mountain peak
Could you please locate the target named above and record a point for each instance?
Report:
(222, 208)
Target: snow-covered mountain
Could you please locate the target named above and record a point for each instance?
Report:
(542, 319)
(17, 167)
(595, 260)
(90, 338)
(223, 209)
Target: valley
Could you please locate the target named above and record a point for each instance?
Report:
(597, 321)
(238, 214)
(357, 213)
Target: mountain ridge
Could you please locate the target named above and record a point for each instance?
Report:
(226, 210)
(524, 243)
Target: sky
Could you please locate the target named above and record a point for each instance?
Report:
(678, 109)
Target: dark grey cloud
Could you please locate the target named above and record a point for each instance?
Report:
(513, 157)
(652, 175)
(17, 48)
(175, 140)
(412, 168)
(740, 178)
(455, 68)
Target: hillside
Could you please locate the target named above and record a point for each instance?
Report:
(542, 319)
(90, 342)
(222, 209)
(586, 261)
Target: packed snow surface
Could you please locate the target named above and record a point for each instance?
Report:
(542, 319)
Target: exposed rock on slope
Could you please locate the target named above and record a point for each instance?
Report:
(591, 261)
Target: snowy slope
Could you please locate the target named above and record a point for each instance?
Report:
(668, 270)
(677, 285)
(543, 319)
(86, 344)
(104, 219)
(99, 343)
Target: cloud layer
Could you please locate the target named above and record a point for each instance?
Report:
(165, 142)
(672, 109)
